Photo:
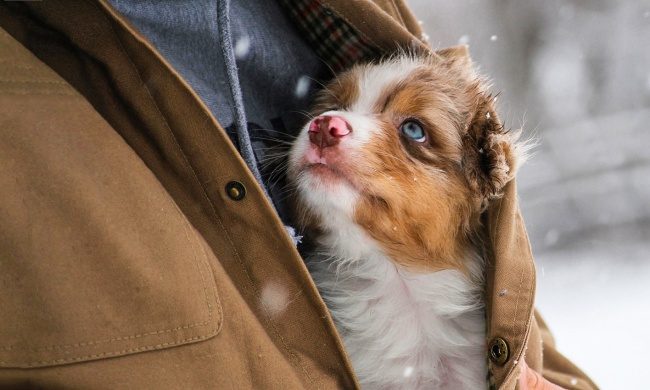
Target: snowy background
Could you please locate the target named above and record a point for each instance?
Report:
(577, 75)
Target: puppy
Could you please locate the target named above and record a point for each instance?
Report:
(391, 177)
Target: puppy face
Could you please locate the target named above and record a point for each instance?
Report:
(409, 150)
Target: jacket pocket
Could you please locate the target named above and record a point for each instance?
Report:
(60, 311)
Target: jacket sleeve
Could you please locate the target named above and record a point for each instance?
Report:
(557, 368)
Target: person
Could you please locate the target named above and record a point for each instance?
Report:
(145, 244)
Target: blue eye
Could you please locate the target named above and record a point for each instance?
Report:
(413, 130)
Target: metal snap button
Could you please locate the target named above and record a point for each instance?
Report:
(499, 351)
(235, 190)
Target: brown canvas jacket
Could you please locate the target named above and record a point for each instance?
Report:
(124, 264)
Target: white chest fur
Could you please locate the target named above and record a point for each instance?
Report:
(405, 330)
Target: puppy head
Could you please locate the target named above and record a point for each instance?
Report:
(409, 151)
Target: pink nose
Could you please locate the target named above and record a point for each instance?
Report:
(327, 130)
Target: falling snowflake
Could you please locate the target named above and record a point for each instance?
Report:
(274, 298)
(567, 11)
(463, 40)
(493, 38)
(295, 237)
(242, 47)
(408, 371)
(574, 381)
(425, 37)
(551, 238)
(302, 87)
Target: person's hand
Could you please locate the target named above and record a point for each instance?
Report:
(532, 380)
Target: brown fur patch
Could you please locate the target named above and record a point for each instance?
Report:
(415, 211)
(339, 93)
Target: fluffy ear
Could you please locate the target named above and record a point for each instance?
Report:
(458, 60)
(456, 53)
(490, 153)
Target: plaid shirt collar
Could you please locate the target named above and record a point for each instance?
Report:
(334, 40)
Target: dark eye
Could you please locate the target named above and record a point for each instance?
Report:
(413, 130)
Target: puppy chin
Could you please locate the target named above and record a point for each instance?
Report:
(325, 194)
(326, 183)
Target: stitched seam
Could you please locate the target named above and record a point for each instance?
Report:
(514, 320)
(514, 317)
(206, 263)
(15, 65)
(495, 224)
(232, 245)
(114, 353)
(196, 262)
(530, 270)
(38, 92)
(11, 81)
(89, 343)
(216, 292)
(520, 356)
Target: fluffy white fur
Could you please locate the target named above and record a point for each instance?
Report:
(401, 329)
(377, 77)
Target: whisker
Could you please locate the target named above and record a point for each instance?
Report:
(329, 67)
(279, 170)
(283, 133)
(306, 114)
(271, 139)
